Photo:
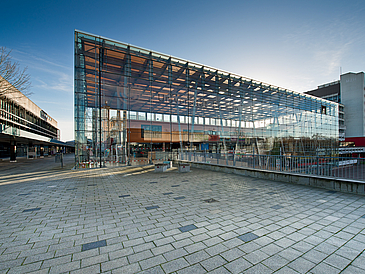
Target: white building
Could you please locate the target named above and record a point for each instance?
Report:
(352, 92)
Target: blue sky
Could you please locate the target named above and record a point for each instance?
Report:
(296, 45)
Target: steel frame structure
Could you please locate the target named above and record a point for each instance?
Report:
(126, 94)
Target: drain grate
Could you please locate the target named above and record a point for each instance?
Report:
(31, 209)
(151, 207)
(248, 237)
(276, 207)
(93, 245)
(211, 200)
(187, 228)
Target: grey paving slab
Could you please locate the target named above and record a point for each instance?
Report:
(187, 228)
(54, 220)
(248, 237)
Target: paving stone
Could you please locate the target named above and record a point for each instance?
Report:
(312, 227)
(162, 249)
(153, 270)
(175, 254)
(151, 262)
(338, 261)
(66, 267)
(10, 263)
(194, 269)
(25, 268)
(324, 268)
(216, 249)
(109, 265)
(94, 260)
(131, 268)
(85, 254)
(314, 256)
(38, 257)
(195, 247)
(353, 270)
(259, 268)
(213, 262)
(301, 265)
(256, 256)
(175, 265)
(197, 257)
(57, 261)
(275, 262)
(238, 266)
(286, 270)
(182, 243)
(93, 269)
(140, 256)
(232, 254)
(164, 241)
(290, 254)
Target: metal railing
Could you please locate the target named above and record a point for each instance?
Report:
(335, 167)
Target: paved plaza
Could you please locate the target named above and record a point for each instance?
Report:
(134, 220)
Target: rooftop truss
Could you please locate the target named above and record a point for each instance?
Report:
(137, 79)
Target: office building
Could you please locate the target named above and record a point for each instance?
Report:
(25, 129)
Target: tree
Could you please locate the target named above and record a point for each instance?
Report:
(11, 75)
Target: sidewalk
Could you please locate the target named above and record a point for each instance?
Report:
(23, 165)
(132, 220)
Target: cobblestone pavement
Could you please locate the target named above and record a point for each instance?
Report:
(131, 220)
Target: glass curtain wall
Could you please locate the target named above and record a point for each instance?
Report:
(132, 103)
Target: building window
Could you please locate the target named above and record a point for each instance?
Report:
(324, 110)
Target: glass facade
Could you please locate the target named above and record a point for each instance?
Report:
(132, 103)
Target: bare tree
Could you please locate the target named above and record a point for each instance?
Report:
(11, 76)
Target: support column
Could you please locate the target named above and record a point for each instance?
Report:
(126, 106)
(193, 118)
(218, 98)
(178, 121)
(101, 53)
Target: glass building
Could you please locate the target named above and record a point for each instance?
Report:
(133, 103)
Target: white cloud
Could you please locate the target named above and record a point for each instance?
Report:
(64, 82)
